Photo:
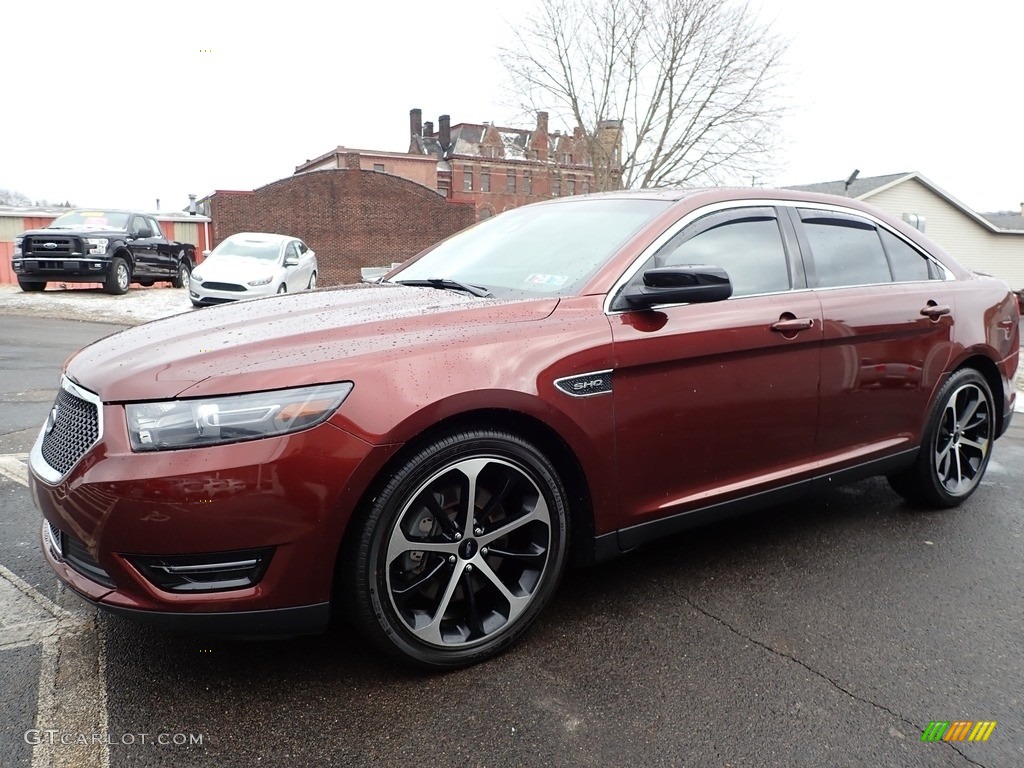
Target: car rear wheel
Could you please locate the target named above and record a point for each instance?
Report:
(181, 278)
(31, 285)
(119, 277)
(312, 282)
(460, 551)
(956, 447)
(282, 288)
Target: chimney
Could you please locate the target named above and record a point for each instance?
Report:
(352, 161)
(542, 122)
(444, 133)
(428, 128)
(416, 122)
(191, 205)
(1022, 209)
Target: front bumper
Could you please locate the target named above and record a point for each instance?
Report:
(201, 294)
(69, 270)
(290, 497)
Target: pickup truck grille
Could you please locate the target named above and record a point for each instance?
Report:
(76, 428)
(41, 245)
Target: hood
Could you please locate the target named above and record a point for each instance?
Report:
(235, 268)
(65, 231)
(287, 341)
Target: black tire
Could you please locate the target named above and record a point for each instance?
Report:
(956, 447)
(119, 277)
(282, 288)
(31, 285)
(484, 581)
(312, 282)
(181, 274)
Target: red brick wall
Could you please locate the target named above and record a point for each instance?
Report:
(351, 218)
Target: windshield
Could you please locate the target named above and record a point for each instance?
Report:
(261, 250)
(91, 220)
(537, 249)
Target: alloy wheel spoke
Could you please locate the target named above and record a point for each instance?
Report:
(516, 604)
(439, 516)
(530, 551)
(539, 512)
(473, 617)
(981, 446)
(400, 544)
(420, 582)
(495, 500)
(471, 469)
(431, 633)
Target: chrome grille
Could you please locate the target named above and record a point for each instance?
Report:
(75, 429)
(41, 245)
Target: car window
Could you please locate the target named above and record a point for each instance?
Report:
(846, 250)
(292, 251)
(154, 226)
(908, 264)
(138, 224)
(746, 243)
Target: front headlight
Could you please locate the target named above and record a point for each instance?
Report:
(218, 420)
(97, 245)
(17, 245)
(196, 277)
(261, 281)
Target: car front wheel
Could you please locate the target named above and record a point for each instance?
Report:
(119, 278)
(956, 447)
(460, 551)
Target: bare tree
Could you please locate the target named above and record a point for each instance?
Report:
(13, 197)
(690, 85)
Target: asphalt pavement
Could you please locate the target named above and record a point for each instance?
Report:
(825, 633)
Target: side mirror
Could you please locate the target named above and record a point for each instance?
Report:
(291, 261)
(678, 285)
(144, 232)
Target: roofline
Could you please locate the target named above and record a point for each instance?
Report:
(945, 195)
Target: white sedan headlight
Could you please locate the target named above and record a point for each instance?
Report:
(261, 280)
(217, 420)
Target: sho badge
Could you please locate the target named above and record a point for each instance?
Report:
(586, 384)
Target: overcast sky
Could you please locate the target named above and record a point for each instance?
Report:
(114, 103)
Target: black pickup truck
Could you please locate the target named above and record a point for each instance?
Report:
(116, 248)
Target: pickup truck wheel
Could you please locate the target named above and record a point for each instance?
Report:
(31, 285)
(119, 278)
(183, 274)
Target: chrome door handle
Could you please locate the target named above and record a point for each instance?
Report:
(795, 324)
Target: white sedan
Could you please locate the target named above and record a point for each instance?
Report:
(253, 264)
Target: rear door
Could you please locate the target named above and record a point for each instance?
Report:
(713, 401)
(888, 318)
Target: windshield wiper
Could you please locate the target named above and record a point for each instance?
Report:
(444, 282)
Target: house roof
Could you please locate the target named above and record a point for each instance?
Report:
(1006, 219)
(864, 188)
(860, 188)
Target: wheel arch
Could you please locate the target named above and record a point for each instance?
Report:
(530, 428)
(990, 371)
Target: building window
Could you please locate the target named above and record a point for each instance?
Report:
(585, 186)
(378, 167)
(442, 187)
(527, 182)
(566, 158)
(556, 187)
(485, 179)
(511, 183)
(467, 179)
(570, 186)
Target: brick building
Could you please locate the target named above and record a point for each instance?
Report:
(495, 168)
(352, 218)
